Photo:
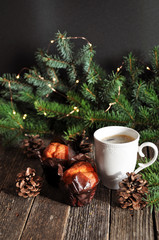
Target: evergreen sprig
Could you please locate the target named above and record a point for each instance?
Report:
(151, 175)
(71, 87)
(66, 92)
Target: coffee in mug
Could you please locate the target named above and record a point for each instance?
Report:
(116, 149)
(118, 139)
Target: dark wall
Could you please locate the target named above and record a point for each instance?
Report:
(114, 27)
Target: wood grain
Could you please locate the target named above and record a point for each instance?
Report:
(48, 217)
(14, 210)
(8, 158)
(130, 225)
(90, 221)
(47, 220)
(156, 218)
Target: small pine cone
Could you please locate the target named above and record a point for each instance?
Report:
(28, 184)
(132, 192)
(32, 146)
(81, 143)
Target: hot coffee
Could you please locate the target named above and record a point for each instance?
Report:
(118, 139)
(116, 151)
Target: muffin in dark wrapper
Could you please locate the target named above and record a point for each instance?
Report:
(55, 158)
(79, 183)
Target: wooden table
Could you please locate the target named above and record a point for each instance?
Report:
(47, 217)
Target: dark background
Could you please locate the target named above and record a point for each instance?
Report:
(115, 27)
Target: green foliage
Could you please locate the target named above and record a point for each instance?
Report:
(70, 87)
(151, 175)
(67, 92)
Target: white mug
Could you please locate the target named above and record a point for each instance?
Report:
(114, 160)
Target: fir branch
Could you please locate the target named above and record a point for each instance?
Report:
(151, 175)
(125, 106)
(87, 91)
(64, 46)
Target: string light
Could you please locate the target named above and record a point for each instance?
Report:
(24, 116)
(42, 78)
(54, 80)
(113, 103)
(52, 41)
(14, 112)
(75, 109)
(23, 69)
(45, 113)
(148, 68)
(53, 89)
(77, 81)
(119, 68)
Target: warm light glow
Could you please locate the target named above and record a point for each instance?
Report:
(148, 68)
(24, 116)
(76, 109)
(52, 41)
(45, 113)
(53, 89)
(77, 81)
(14, 112)
(18, 76)
(119, 68)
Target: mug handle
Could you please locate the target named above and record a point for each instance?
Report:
(144, 165)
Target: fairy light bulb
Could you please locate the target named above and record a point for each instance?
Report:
(45, 113)
(148, 68)
(14, 112)
(76, 109)
(53, 89)
(52, 41)
(24, 116)
(77, 81)
(18, 76)
(119, 68)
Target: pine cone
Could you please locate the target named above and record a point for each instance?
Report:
(132, 191)
(81, 143)
(28, 184)
(32, 146)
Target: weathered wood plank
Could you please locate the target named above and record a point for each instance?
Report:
(8, 158)
(47, 219)
(92, 220)
(14, 210)
(156, 219)
(127, 225)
